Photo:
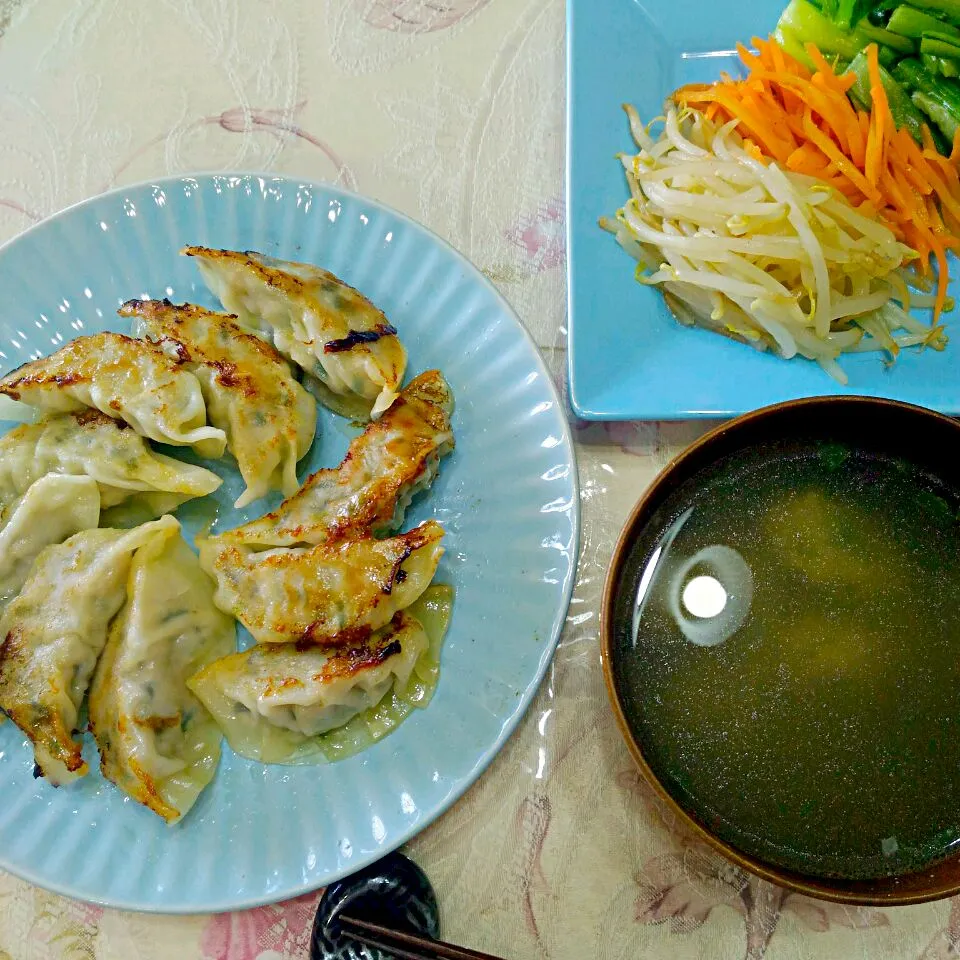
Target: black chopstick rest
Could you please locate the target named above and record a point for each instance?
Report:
(393, 892)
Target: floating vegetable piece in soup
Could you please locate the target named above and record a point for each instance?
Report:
(820, 538)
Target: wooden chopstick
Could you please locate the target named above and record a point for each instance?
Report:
(406, 946)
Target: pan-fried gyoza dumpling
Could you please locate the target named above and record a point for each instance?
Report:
(333, 592)
(269, 419)
(127, 379)
(54, 508)
(157, 742)
(53, 632)
(331, 330)
(386, 466)
(92, 444)
(302, 703)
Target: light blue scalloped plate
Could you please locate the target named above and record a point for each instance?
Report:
(507, 497)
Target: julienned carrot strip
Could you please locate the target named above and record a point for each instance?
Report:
(840, 84)
(899, 198)
(792, 99)
(774, 54)
(917, 239)
(807, 159)
(884, 123)
(856, 138)
(747, 57)
(949, 172)
(825, 72)
(942, 277)
(911, 160)
(955, 152)
(944, 166)
(763, 105)
(804, 120)
(873, 71)
(878, 116)
(844, 164)
(874, 152)
(951, 183)
(946, 198)
(756, 124)
(833, 108)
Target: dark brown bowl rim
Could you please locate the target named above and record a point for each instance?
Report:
(820, 888)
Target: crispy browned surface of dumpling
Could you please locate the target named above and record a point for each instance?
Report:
(396, 457)
(321, 323)
(248, 387)
(335, 592)
(53, 632)
(125, 378)
(309, 703)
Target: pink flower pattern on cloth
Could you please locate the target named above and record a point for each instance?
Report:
(542, 236)
(273, 932)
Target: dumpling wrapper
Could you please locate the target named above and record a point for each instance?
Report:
(292, 703)
(127, 379)
(334, 592)
(326, 327)
(249, 390)
(92, 444)
(53, 509)
(394, 459)
(157, 742)
(54, 630)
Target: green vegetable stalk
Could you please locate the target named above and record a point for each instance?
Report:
(910, 22)
(949, 8)
(803, 23)
(941, 45)
(943, 66)
(937, 97)
(905, 112)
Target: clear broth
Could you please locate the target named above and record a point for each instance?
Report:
(821, 730)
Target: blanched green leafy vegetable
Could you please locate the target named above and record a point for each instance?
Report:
(918, 45)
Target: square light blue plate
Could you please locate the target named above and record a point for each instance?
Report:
(629, 359)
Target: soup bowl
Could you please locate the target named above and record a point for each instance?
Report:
(893, 431)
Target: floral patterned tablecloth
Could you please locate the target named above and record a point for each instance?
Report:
(453, 111)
